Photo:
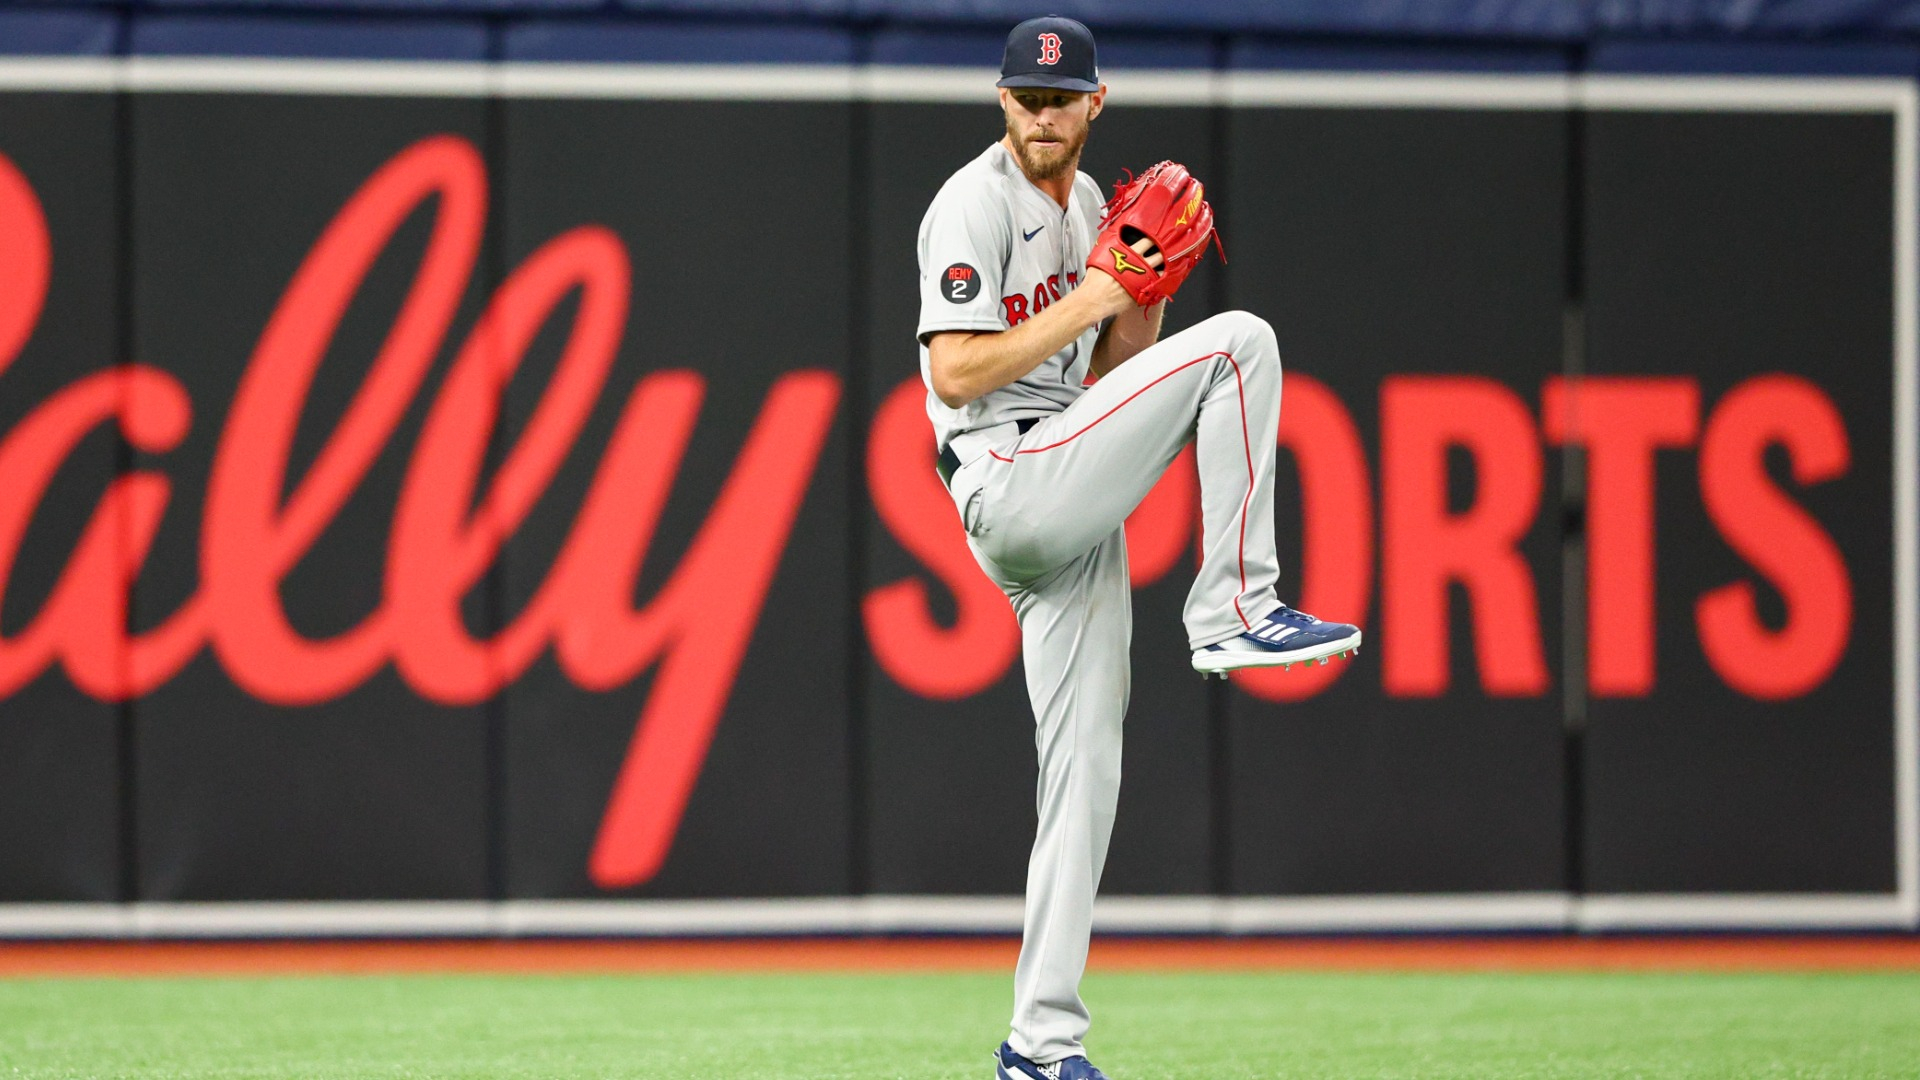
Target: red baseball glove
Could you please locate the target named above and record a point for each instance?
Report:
(1167, 207)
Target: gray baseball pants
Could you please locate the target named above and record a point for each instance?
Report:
(1044, 513)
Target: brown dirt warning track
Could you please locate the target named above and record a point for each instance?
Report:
(958, 954)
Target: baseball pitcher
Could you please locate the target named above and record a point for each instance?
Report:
(1056, 408)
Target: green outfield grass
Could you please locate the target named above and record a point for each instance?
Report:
(776, 1027)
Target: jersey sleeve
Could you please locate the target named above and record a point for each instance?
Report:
(963, 261)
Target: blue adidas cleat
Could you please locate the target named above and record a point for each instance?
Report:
(1008, 1065)
(1286, 637)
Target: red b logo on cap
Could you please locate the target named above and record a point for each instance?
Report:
(1049, 48)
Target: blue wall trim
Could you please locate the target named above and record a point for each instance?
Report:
(1259, 54)
(58, 33)
(612, 41)
(310, 37)
(798, 36)
(1538, 21)
(1751, 58)
(378, 7)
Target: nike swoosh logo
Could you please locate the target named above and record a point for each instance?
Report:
(1031, 235)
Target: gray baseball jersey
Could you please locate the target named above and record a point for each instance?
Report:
(995, 251)
(1044, 512)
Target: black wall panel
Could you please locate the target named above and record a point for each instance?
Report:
(734, 217)
(763, 256)
(1379, 244)
(950, 787)
(373, 790)
(1720, 247)
(59, 747)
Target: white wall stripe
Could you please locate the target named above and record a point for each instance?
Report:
(956, 85)
(1742, 93)
(29, 921)
(1906, 505)
(959, 85)
(421, 918)
(831, 915)
(974, 85)
(1326, 89)
(1130, 86)
(1336, 914)
(787, 82)
(1743, 912)
(58, 73)
(1539, 912)
(350, 78)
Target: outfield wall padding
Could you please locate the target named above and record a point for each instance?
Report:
(530, 498)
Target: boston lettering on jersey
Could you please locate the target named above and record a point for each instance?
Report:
(1018, 307)
(448, 528)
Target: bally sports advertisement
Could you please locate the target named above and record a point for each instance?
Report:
(449, 495)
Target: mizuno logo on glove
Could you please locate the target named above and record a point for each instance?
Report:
(1193, 204)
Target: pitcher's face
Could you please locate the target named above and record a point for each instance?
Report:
(1048, 128)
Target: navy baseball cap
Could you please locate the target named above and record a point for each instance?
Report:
(1052, 51)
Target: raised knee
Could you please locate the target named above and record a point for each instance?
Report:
(1249, 329)
(1250, 341)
